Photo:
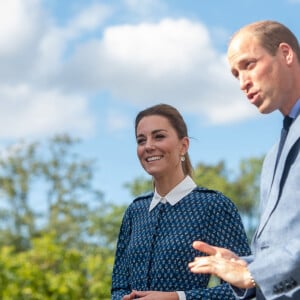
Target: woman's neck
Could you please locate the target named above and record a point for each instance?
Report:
(165, 184)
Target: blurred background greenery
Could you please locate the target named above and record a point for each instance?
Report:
(58, 233)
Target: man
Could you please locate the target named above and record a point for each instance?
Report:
(265, 57)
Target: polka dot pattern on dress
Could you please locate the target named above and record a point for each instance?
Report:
(154, 248)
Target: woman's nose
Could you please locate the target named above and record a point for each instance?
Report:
(149, 145)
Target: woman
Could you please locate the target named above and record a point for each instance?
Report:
(158, 229)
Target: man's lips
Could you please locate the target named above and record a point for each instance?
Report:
(252, 97)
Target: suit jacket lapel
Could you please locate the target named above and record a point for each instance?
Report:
(275, 187)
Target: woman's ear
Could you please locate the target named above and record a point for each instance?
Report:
(185, 142)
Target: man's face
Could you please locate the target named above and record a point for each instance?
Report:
(261, 75)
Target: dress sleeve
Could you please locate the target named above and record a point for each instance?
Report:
(120, 275)
(224, 228)
(219, 292)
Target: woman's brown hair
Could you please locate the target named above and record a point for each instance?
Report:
(176, 120)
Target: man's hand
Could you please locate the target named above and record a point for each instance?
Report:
(222, 263)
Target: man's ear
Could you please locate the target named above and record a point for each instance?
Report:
(287, 52)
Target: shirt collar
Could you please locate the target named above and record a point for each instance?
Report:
(295, 110)
(176, 194)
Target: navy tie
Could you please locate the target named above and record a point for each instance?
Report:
(287, 121)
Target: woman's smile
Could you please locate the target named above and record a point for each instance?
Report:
(153, 158)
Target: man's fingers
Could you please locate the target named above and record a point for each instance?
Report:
(204, 247)
(201, 265)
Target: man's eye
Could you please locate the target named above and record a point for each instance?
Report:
(249, 64)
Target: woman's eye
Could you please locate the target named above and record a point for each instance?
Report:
(140, 141)
(159, 136)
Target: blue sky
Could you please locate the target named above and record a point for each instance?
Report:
(87, 67)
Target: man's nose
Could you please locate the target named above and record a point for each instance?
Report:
(245, 82)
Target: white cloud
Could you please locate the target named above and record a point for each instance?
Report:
(31, 49)
(158, 49)
(48, 72)
(31, 112)
(90, 18)
(22, 24)
(171, 61)
(57, 41)
(18, 20)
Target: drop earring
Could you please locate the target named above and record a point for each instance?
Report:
(182, 158)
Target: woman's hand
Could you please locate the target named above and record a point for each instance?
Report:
(151, 295)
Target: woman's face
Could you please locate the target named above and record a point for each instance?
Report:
(158, 147)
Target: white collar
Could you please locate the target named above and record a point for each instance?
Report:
(176, 194)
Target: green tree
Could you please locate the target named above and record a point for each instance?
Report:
(50, 271)
(70, 195)
(64, 182)
(66, 249)
(247, 192)
(106, 223)
(18, 169)
(139, 186)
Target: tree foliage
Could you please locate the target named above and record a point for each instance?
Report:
(139, 186)
(51, 247)
(17, 171)
(57, 181)
(50, 271)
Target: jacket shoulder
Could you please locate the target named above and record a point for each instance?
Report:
(201, 189)
(144, 196)
(214, 197)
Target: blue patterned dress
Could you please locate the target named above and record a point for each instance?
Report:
(154, 248)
